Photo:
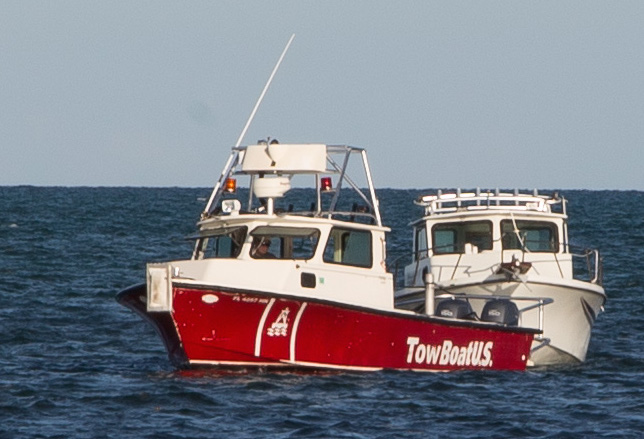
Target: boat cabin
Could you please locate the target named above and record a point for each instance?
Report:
(481, 234)
(291, 219)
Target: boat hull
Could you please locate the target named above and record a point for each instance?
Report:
(567, 321)
(216, 327)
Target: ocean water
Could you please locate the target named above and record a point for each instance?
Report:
(75, 364)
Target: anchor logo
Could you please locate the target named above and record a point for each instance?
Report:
(280, 325)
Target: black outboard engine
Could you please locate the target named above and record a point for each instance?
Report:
(501, 311)
(455, 309)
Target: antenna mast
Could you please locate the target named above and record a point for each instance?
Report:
(261, 97)
(250, 119)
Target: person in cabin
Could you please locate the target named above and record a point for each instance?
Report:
(260, 247)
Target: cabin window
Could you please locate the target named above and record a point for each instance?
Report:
(453, 237)
(420, 243)
(284, 242)
(225, 244)
(349, 247)
(534, 236)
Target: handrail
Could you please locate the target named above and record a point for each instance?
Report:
(540, 302)
(594, 264)
(394, 266)
(368, 196)
(453, 202)
(592, 273)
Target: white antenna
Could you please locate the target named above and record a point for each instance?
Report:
(250, 119)
(268, 83)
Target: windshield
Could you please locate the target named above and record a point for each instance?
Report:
(284, 242)
(225, 243)
(534, 236)
(453, 237)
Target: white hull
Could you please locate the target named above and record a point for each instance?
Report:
(567, 321)
(498, 245)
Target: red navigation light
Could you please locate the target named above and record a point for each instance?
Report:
(326, 184)
(231, 186)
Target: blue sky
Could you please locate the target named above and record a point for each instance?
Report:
(529, 94)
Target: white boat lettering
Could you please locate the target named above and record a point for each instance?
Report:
(476, 353)
(246, 299)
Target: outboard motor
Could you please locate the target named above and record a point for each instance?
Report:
(455, 309)
(501, 311)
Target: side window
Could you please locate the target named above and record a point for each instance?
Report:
(420, 243)
(444, 240)
(225, 245)
(534, 236)
(349, 247)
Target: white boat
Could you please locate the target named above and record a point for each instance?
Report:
(476, 246)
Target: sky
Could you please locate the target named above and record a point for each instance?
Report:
(442, 94)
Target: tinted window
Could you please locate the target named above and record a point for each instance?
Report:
(349, 247)
(452, 237)
(534, 236)
(284, 243)
(421, 242)
(226, 244)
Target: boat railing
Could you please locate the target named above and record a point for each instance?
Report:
(532, 303)
(327, 200)
(489, 200)
(587, 265)
(397, 266)
(400, 262)
(351, 216)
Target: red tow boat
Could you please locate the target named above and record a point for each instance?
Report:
(297, 278)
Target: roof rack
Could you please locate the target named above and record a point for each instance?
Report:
(490, 200)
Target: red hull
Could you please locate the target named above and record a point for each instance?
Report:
(252, 329)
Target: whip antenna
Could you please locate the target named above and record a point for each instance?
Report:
(268, 83)
(243, 133)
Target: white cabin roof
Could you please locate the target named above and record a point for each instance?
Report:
(284, 158)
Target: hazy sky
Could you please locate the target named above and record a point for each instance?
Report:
(545, 94)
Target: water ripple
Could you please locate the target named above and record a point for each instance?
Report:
(75, 364)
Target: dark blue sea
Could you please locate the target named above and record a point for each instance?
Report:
(75, 364)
